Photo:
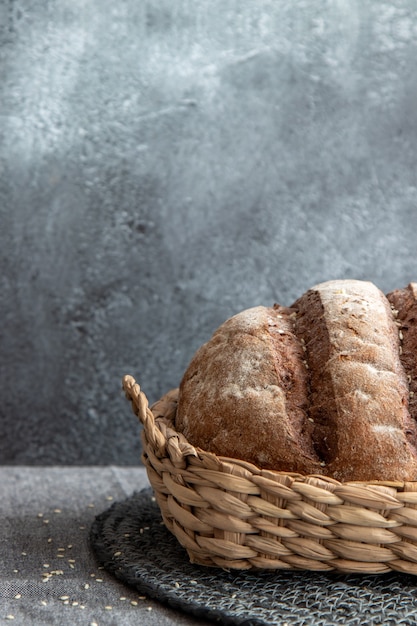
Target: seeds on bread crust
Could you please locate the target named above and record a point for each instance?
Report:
(326, 386)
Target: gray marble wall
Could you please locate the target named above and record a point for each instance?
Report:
(165, 164)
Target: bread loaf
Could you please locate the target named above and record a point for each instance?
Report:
(404, 305)
(321, 387)
(358, 386)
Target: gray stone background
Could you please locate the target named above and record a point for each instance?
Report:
(165, 164)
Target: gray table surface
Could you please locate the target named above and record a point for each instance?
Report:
(49, 574)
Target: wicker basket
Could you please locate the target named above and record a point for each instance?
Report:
(230, 514)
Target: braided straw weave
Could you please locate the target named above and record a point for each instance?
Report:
(229, 513)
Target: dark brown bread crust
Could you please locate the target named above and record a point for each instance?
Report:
(244, 393)
(404, 305)
(311, 328)
(359, 391)
(321, 387)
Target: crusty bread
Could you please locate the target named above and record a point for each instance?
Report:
(319, 387)
(244, 393)
(358, 387)
(404, 305)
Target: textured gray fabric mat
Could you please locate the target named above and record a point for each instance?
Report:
(131, 542)
(46, 515)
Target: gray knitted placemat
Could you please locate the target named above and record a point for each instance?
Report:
(131, 542)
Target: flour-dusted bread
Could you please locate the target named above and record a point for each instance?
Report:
(245, 393)
(358, 386)
(320, 387)
(404, 305)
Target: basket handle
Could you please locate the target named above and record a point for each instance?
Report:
(141, 409)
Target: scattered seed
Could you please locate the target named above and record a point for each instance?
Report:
(177, 585)
(323, 464)
(66, 602)
(93, 624)
(40, 514)
(86, 586)
(109, 498)
(18, 596)
(61, 549)
(411, 394)
(24, 553)
(122, 598)
(75, 603)
(400, 350)
(91, 505)
(142, 597)
(9, 616)
(310, 419)
(127, 534)
(99, 580)
(71, 560)
(117, 553)
(108, 607)
(60, 556)
(72, 566)
(45, 521)
(134, 602)
(149, 608)
(193, 582)
(49, 539)
(44, 603)
(46, 565)
(64, 597)
(15, 571)
(57, 511)
(69, 546)
(82, 527)
(400, 334)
